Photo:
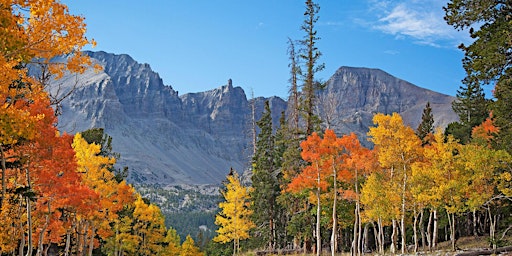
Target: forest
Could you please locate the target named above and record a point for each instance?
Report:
(311, 190)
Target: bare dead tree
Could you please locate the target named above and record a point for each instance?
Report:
(57, 91)
(327, 110)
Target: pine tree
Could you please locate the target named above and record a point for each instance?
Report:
(472, 109)
(293, 99)
(487, 59)
(264, 181)
(310, 55)
(502, 112)
(426, 126)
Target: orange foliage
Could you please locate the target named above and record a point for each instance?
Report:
(484, 133)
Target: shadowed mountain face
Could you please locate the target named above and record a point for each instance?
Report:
(196, 138)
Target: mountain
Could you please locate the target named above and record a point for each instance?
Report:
(359, 93)
(196, 138)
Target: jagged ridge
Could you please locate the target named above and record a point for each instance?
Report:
(195, 138)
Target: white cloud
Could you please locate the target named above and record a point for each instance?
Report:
(420, 20)
(391, 52)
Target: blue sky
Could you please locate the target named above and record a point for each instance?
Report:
(198, 45)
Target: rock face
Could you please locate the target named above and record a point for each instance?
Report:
(196, 138)
(359, 93)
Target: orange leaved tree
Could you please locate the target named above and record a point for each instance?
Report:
(327, 157)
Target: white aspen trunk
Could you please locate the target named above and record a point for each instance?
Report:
(68, 243)
(429, 227)
(475, 233)
(415, 230)
(381, 236)
(29, 222)
(492, 228)
(318, 212)
(334, 219)
(393, 238)
(91, 241)
(376, 236)
(402, 215)
(434, 231)
(451, 223)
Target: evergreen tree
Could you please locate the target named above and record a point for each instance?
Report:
(472, 109)
(264, 182)
(293, 99)
(487, 60)
(502, 112)
(426, 126)
(310, 55)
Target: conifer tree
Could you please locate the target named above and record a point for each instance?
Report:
(487, 59)
(426, 126)
(310, 55)
(472, 109)
(264, 181)
(502, 111)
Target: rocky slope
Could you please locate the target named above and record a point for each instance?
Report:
(359, 93)
(196, 138)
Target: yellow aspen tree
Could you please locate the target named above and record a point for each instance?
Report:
(149, 226)
(189, 248)
(112, 196)
(379, 203)
(398, 148)
(173, 241)
(482, 169)
(439, 180)
(234, 218)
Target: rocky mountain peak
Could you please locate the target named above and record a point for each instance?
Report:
(196, 138)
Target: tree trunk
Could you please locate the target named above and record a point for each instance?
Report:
(415, 230)
(422, 230)
(318, 212)
(364, 240)
(402, 214)
(492, 228)
(21, 247)
(334, 244)
(434, 231)
(68, 243)
(91, 241)
(4, 172)
(41, 234)
(394, 237)
(381, 236)
(429, 230)
(29, 220)
(475, 220)
(451, 222)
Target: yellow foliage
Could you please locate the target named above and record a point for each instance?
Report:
(188, 248)
(234, 219)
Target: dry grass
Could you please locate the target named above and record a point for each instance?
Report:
(444, 248)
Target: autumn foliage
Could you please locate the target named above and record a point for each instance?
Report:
(57, 191)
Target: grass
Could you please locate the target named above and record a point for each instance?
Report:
(444, 248)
